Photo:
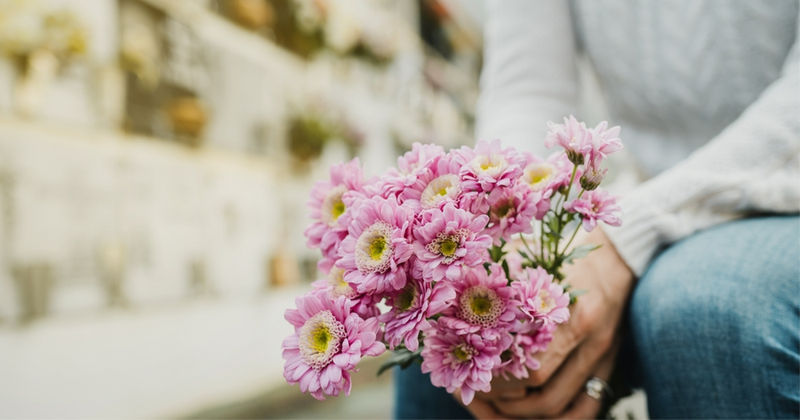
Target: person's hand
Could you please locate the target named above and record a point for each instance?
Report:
(584, 347)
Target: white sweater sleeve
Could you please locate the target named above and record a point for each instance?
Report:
(529, 75)
(751, 166)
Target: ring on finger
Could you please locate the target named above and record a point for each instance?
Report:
(598, 389)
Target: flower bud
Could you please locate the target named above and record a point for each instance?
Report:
(592, 178)
(575, 157)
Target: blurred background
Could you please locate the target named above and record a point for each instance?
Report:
(155, 160)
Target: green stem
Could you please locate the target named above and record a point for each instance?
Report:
(541, 240)
(571, 180)
(566, 247)
(524, 242)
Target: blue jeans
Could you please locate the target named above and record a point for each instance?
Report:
(714, 327)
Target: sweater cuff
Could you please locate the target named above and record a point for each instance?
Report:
(638, 239)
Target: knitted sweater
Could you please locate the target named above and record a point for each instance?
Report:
(706, 91)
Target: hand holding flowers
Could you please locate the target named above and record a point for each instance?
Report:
(432, 239)
(585, 346)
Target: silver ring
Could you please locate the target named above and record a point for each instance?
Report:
(598, 388)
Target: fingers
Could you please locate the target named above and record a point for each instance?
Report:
(585, 407)
(553, 398)
(480, 409)
(566, 384)
(566, 338)
(585, 316)
(564, 342)
(500, 393)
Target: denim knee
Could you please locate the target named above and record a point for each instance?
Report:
(714, 321)
(416, 398)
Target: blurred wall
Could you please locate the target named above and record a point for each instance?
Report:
(146, 257)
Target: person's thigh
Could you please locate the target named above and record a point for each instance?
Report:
(716, 323)
(417, 398)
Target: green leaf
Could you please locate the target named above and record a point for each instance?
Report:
(496, 252)
(579, 252)
(506, 270)
(402, 357)
(553, 228)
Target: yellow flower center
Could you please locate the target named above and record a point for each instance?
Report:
(461, 354)
(491, 164)
(320, 338)
(537, 175)
(480, 305)
(376, 248)
(333, 206)
(405, 300)
(448, 247)
(502, 210)
(548, 303)
(440, 189)
(338, 209)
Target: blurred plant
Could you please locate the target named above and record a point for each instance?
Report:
(41, 42)
(187, 116)
(309, 26)
(308, 136)
(26, 28)
(310, 132)
(255, 15)
(296, 27)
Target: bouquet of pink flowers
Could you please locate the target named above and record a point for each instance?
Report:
(452, 259)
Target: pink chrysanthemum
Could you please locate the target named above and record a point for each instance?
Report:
(464, 361)
(487, 169)
(482, 304)
(539, 299)
(436, 187)
(335, 285)
(538, 340)
(573, 136)
(547, 176)
(605, 141)
(329, 207)
(376, 246)
(410, 308)
(530, 339)
(449, 241)
(514, 213)
(366, 306)
(593, 206)
(592, 178)
(419, 161)
(489, 166)
(518, 358)
(328, 342)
